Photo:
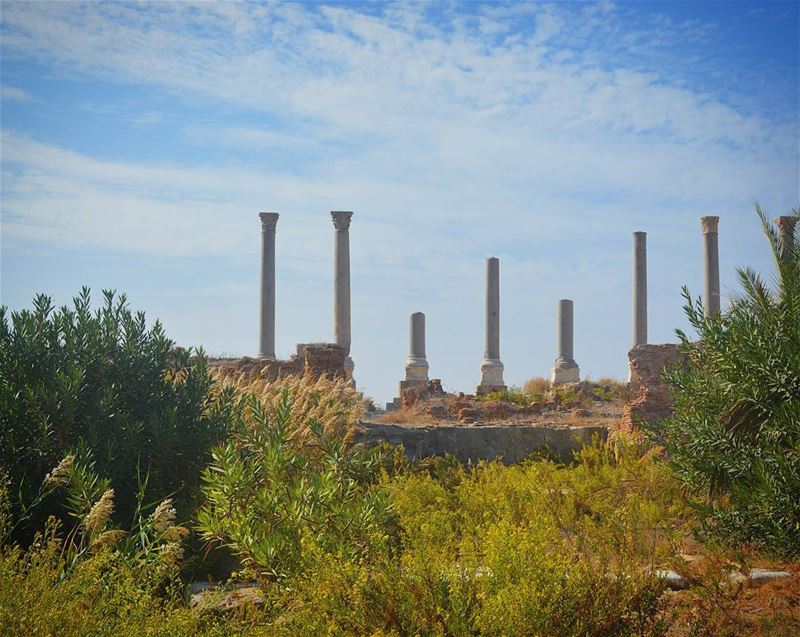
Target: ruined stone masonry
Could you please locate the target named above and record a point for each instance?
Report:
(647, 362)
(314, 359)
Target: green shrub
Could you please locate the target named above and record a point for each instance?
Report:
(276, 499)
(102, 595)
(105, 382)
(509, 395)
(735, 433)
(531, 549)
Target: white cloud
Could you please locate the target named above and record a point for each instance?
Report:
(451, 140)
(15, 94)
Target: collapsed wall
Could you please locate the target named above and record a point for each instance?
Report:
(654, 401)
(313, 359)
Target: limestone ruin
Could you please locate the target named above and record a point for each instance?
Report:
(646, 361)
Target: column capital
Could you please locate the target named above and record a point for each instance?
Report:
(786, 223)
(640, 233)
(268, 221)
(709, 224)
(341, 219)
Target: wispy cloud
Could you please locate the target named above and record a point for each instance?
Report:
(529, 131)
(15, 94)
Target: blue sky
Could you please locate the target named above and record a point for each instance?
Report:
(139, 142)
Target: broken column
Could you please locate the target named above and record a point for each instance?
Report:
(341, 282)
(266, 340)
(417, 364)
(566, 369)
(639, 288)
(711, 300)
(492, 367)
(786, 226)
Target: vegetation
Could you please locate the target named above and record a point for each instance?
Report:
(275, 496)
(735, 435)
(108, 432)
(103, 386)
(332, 403)
(539, 390)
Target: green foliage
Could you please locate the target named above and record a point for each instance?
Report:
(275, 500)
(102, 594)
(532, 549)
(509, 395)
(735, 434)
(569, 395)
(101, 381)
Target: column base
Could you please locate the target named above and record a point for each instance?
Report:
(491, 377)
(565, 372)
(416, 369)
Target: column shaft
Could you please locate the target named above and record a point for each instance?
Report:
(341, 282)
(566, 369)
(565, 352)
(711, 301)
(266, 342)
(639, 288)
(492, 340)
(417, 335)
(417, 364)
(492, 367)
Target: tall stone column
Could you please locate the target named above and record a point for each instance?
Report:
(566, 369)
(341, 283)
(639, 288)
(417, 364)
(786, 226)
(266, 340)
(492, 367)
(711, 301)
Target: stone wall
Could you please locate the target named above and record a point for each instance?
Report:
(508, 443)
(653, 402)
(314, 359)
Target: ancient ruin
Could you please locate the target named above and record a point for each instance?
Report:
(313, 359)
(566, 369)
(503, 429)
(341, 283)
(711, 300)
(639, 288)
(652, 402)
(417, 364)
(492, 366)
(266, 341)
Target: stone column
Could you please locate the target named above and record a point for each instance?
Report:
(786, 226)
(341, 286)
(566, 369)
(639, 288)
(266, 340)
(711, 301)
(417, 364)
(492, 367)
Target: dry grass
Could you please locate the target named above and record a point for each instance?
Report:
(537, 386)
(334, 403)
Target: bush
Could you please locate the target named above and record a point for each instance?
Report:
(531, 549)
(102, 595)
(276, 496)
(512, 395)
(735, 433)
(103, 382)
